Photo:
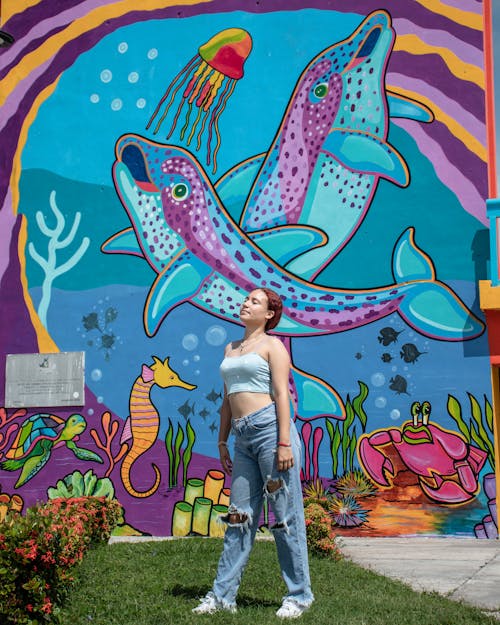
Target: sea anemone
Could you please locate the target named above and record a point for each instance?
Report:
(315, 492)
(347, 512)
(355, 483)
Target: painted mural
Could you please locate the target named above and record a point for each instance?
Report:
(158, 163)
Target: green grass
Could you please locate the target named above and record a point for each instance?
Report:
(157, 583)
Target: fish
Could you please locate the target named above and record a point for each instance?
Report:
(399, 385)
(185, 410)
(213, 396)
(201, 256)
(388, 336)
(410, 353)
(204, 413)
(330, 150)
(386, 357)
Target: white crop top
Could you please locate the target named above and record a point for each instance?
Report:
(247, 373)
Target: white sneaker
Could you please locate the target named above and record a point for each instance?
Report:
(209, 605)
(290, 609)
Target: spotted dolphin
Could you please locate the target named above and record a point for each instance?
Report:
(200, 255)
(330, 149)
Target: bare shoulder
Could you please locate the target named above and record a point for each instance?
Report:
(276, 347)
(229, 348)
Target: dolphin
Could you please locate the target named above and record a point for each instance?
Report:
(200, 255)
(330, 150)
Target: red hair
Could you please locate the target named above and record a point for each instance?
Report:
(274, 304)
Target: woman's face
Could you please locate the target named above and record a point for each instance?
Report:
(254, 308)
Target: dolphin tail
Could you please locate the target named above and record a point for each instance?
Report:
(315, 398)
(430, 306)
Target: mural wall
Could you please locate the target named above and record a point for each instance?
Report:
(159, 162)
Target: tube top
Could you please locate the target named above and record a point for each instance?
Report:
(248, 373)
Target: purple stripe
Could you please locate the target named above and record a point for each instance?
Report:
(452, 108)
(471, 6)
(433, 70)
(472, 197)
(464, 51)
(17, 335)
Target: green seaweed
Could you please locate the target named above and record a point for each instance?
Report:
(479, 430)
(179, 439)
(455, 412)
(335, 437)
(357, 404)
(168, 444)
(186, 456)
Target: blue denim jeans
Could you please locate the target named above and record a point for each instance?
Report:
(255, 476)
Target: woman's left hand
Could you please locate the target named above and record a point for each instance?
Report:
(284, 458)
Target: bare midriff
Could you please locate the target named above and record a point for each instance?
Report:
(243, 404)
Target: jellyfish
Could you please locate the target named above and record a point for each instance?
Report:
(211, 77)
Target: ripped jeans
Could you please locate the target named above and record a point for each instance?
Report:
(255, 476)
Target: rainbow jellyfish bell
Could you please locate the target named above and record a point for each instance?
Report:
(211, 77)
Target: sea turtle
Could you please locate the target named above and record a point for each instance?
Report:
(33, 444)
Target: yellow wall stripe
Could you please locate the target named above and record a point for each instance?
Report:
(472, 20)
(470, 142)
(464, 71)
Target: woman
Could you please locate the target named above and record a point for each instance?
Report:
(266, 459)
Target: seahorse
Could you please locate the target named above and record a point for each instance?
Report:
(143, 422)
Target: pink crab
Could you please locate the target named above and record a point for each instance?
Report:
(446, 466)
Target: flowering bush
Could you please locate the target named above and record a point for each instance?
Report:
(38, 551)
(320, 535)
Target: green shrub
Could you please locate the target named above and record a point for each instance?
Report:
(320, 534)
(39, 549)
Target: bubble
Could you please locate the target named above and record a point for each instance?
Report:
(196, 358)
(378, 379)
(141, 103)
(190, 342)
(133, 77)
(185, 362)
(381, 402)
(94, 98)
(106, 75)
(96, 375)
(197, 372)
(100, 399)
(153, 53)
(90, 412)
(122, 47)
(215, 335)
(395, 414)
(116, 104)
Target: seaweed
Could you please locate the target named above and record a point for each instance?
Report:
(176, 457)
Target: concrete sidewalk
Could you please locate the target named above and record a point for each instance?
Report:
(463, 569)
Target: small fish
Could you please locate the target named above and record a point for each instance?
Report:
(213, 396)
(410, 353)
(358, 356)
(213, 427)
(398, 384)
(204, 413)
(386, 357)
(388, 336)
(186, 409)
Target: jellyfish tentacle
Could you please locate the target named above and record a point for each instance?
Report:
(186, 122)
(172, 98)
(185, 71)
(213, 117)
(224, 98)
(194, 126)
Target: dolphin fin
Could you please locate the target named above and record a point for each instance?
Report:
(316, 398)
(173, 286)
(235, 184)
(360, 151)
(409, 262)
(401, 106)
(284, 243)
(430, 306)
(123, 242)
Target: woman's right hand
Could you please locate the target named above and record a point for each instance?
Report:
(225, 459)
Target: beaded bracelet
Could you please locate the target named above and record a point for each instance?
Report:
(284, 445)
(222, 444)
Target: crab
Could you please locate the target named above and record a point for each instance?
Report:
(446, 466)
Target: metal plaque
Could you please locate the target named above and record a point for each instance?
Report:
(42, 380)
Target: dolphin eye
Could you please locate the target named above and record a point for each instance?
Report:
(319, 92)
(180, 191)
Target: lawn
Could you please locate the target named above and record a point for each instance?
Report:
(157, 583)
